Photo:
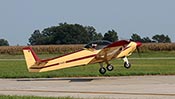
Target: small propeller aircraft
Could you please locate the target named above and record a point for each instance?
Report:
(100, 51)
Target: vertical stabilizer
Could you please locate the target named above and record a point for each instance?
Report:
(30, 57)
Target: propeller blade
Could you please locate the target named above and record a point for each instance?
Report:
(138, 50)
(139, 44)
(137, 47)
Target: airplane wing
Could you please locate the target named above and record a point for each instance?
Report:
(111, 51)
(81, 57)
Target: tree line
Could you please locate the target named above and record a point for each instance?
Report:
(69, 34)
(78, 34)
(156, 38)
(4, 42)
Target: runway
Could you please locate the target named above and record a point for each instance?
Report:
(127, 87)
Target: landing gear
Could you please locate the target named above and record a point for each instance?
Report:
(110, 67)
(102, 70)
(126, 63)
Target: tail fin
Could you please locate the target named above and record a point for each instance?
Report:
(30, 57)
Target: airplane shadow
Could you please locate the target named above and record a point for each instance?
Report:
(60, 79)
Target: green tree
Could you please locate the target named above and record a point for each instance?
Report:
(71, 34)
(4, 42)
(111, 35)
(37, 38)
(146, 40)
(161, 38)
(98, 36)
(65, 34)
(136, 37)
(93, 35)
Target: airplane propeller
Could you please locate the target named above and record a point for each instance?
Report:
(137, 47)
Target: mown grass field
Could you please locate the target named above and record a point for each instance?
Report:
(166, 66)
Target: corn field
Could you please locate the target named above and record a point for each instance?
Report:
(41, 49)
(157, 47)
(62, 49)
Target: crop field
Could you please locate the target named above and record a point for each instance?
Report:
(150, 63)
(41, 49)
(61, 49)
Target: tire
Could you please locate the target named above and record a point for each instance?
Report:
(102, 70)
(110, 67)
(127, 65)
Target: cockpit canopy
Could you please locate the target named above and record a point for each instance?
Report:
(99, 44)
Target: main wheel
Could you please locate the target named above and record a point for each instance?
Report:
(102, 70)
(127, 65)
(110, 67)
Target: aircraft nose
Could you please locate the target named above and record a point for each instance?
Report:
(138, 44)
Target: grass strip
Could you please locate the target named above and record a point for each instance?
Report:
(18, 69)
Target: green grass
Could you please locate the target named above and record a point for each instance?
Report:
(17, 68)
(33, 97)
(154, 54)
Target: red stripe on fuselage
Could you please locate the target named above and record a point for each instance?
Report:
(45, 60)
(69, 61)
(81, 58)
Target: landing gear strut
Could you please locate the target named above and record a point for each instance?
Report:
(126, 63)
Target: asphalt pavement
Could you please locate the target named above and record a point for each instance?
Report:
(123, 87)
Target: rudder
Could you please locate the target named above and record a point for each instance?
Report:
(30, 57)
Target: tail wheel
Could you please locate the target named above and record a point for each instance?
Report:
(110, 67)
(127, 65)
(102, 70)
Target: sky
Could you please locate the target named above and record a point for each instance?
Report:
(19, 18)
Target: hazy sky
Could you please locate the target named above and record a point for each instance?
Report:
(19, 18)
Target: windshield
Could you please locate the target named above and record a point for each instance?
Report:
(99, 44)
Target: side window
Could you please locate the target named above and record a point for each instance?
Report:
(98, 44)
(94, 45)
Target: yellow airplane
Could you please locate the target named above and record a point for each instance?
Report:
(100, 51)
